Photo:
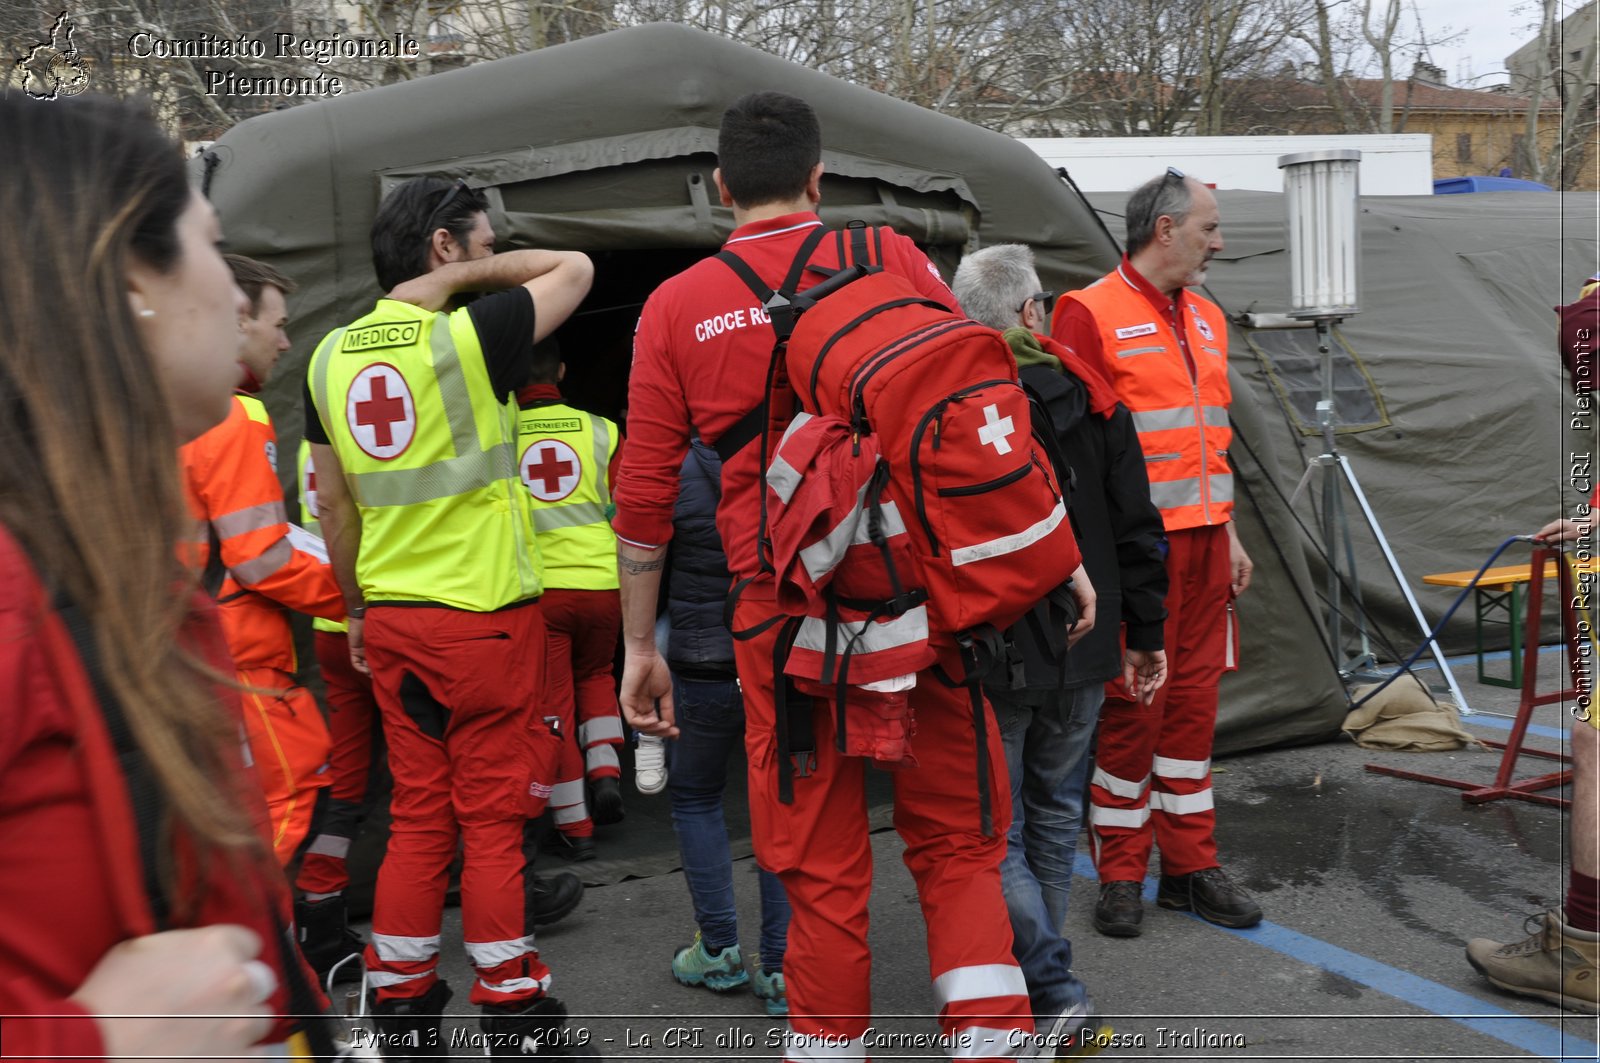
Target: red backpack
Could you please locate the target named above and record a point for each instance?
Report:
(985, 511)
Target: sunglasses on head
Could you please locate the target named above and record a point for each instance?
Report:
(459, 187)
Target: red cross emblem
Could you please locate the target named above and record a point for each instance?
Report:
(551, 469)
(380, 412)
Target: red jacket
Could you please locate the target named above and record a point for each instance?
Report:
(232, 476)
(71, 882)
(700, 362)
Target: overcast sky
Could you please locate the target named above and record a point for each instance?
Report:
(1490, 30)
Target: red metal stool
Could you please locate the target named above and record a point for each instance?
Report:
(1544, 559)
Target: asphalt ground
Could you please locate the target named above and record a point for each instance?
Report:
(1371, 886)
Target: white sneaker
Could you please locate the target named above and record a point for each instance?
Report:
(650, 765)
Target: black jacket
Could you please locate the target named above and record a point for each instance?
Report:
(1119, 532)
(698, 643)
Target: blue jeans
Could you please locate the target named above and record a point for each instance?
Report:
(710, 719)
(1048, 736)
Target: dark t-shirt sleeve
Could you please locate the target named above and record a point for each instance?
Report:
(314, 430)
(504, 322)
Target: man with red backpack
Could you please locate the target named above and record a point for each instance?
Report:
(702, 353)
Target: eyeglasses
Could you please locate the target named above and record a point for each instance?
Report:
(1045, 300)
(459, 187)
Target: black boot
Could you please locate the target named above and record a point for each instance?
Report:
(409, 1029)
(539, 1030)
(325, 938)
(555, 897)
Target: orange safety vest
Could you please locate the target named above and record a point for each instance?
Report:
(233, 488)
(1181, 418)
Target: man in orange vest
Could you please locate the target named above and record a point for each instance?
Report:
(1166, 349)
(258, 570)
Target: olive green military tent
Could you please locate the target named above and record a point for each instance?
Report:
(606, 146)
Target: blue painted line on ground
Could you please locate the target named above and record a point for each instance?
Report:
(1503, 724)
(1472, 658)
(1519, 1031)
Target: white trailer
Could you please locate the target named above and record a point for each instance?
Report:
(1391, 164)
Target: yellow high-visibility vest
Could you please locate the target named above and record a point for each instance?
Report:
(564, 456)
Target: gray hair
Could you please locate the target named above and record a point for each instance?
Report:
(992, 283)
(1167, 196)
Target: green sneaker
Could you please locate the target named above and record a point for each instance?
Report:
(693, 965)
(769, 988)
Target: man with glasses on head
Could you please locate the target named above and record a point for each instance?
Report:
(1048, 701)
(1165, 347)
(413, 430)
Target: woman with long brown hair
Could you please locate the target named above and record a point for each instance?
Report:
(134, 880)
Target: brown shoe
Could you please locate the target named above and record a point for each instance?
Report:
(1556, 963)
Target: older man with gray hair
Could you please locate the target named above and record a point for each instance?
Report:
(1165, 347)
(1047, 705)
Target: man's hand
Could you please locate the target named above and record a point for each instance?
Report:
(646, 693)
(1143, 673)
(1083, 591)
(1239, 564)
(357, 639)
(1564, 530)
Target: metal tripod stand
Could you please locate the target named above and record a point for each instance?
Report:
(1336, 538)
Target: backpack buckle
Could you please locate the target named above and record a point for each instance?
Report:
(805, 763)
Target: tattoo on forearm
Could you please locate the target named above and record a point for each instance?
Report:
(634, 567)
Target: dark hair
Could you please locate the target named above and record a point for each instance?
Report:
(90, 487)
(766, 148)
(407, 218)
(1164, 196)
(544, 367)
(252, 276)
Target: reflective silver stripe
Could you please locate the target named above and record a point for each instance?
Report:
(1183, 804)
(265, 563)
(249, 519)
(568, 515)
(1101, 816)
(1221, 486)
(601, 756)
(564, 794)
(447, 370)
(907, 629)
(600, 729)
(1009, 544)
(1173, 456)
(399, 949)
(443, 479)
(1172, 768)
(525, 986)
(823, 1048)
(489, 953)
(986, 1042)
(822, 556)
(1171, 494)
(308, 895)
(1125, 788)
(1179, 417)
(602, 460)
(782, 477)
(1131, 351)
(330, 845)
(319, 375)
(568, 814)
(979, 982)
(380, 979)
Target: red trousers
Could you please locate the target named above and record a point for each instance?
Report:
(352, 723)
(473, 759)
(288, 741)
(1152, 779)
(580, 683)
(818, 846)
